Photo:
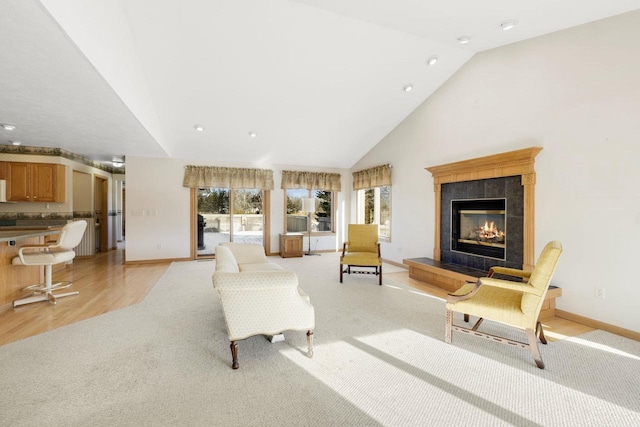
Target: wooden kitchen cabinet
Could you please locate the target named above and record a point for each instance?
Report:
(34, 182)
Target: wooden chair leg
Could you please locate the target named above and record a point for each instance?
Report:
(309, 344)
(234, 355)
(533, 345)
(466, 317)
(477, 324)
(448, 327)
(540, 333)
(379, 276)
(341, 271)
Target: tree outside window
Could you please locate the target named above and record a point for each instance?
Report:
(297, 220)
(375, 208)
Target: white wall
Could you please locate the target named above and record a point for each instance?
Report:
(577, 94)
(82, 191)
(104, 38)
(155, 186)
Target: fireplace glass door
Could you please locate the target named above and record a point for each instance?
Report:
(479, 227)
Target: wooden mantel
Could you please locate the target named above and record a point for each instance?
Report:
(512, 163)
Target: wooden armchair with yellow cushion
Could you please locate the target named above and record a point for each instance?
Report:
(509, 302)
(362, 250)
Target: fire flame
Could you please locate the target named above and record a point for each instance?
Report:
(489, 231)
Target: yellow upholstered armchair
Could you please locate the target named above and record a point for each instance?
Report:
(510, 302)
(362, 250)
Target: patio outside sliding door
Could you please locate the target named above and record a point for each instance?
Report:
(248, 218)
(225, 215)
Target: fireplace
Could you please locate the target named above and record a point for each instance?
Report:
(507, 179)
(509, 176)
(506, 176)
(482, 223)
(478, 227)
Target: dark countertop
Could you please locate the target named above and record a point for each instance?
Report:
(29, 227)
(19, 234)
(32, 223)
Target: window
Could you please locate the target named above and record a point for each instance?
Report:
(373, 198)
(300, 185)
(374, 207)
(321, 219)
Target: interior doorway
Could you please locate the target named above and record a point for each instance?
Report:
(101, 213)
(124, 210)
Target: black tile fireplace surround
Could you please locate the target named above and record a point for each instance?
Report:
(509, 188)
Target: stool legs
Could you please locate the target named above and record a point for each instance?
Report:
(44, 293)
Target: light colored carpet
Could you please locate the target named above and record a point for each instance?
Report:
(380, 359)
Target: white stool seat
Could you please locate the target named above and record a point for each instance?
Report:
(44, 258)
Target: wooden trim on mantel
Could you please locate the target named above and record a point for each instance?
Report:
(519, 162)
(512, 163)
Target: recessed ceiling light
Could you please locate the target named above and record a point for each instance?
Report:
(432, 60)
(253, 134)
(199, 128)
(408, 88)
(464, 39)
(7, 126)
(507, 25)
(117, 164)
(15, 142)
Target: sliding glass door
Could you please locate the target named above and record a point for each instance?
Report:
(224, 215)
(248, 217)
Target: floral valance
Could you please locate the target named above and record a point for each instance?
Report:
(219, 177)
(377, 176)
(311, 180)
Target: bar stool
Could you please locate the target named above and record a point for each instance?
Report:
(48, 255)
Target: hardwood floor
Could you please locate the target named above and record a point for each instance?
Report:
(106, 284)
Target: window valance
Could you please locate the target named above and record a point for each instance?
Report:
(311, 180)
(377, 176)
(219, 177)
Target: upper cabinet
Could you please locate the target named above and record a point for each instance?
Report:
(34, 182)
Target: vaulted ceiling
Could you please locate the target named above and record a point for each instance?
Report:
(296, 82)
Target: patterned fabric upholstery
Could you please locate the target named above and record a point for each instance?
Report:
(513, 303)
(361, 259)
(362, 249)
(362, 246)
(250, 257)
(225, 260)
(263, 266)
(363, 238)
(259, 302)
(246, 253)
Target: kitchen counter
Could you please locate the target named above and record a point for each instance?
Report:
(8, 234)
(32, 223)
(14, 277)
